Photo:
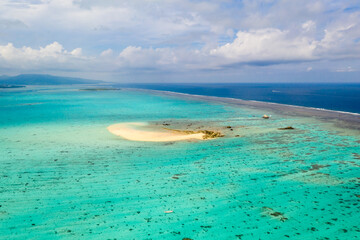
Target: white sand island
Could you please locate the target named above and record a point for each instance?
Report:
(141, 131)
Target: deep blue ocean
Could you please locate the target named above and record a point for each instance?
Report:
(335, 96)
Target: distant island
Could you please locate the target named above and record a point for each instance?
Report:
(41, 79)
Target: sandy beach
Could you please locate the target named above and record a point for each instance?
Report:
(136, 131)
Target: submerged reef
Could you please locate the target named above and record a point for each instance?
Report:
(272, 213)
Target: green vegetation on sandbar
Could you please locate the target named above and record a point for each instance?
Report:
(207, 133)
(286, 128)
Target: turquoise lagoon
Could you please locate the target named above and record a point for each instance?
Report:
(64, 176)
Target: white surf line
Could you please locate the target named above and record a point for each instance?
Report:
(237, 99)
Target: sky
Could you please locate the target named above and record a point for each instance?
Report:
(168, 41)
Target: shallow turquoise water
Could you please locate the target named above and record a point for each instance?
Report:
(64, 176)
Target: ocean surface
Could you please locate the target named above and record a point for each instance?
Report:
(333, 96)
(64, 176)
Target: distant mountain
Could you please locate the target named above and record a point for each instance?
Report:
(42, 79)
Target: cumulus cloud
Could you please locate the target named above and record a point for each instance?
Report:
(51, 56)
(107, 53)
(272, 45)
(340, 42)
(257, 47)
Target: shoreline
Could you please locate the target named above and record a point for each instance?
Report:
(348, 119)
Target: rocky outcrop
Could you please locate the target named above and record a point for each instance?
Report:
(208, 134)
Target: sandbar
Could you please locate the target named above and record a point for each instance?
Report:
(141, 131)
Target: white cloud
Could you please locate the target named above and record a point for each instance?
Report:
(345, 69)
(340, 42)
(256, 47)
(308, 25)
(51, 56)
(76, 52)
(146, 58)
(266, 45)
(107, 53)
